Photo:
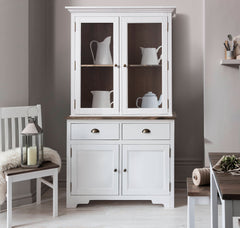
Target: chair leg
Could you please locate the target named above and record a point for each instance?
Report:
(38, 196)
(190, 212)
(55, 193)
(9, 202)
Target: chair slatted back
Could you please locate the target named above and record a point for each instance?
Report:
(12, 122)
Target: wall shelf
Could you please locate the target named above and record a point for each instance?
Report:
(235, 62)
(140, 65)
(94, 65)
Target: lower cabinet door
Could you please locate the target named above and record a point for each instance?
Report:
(94, 169)
(145, 169)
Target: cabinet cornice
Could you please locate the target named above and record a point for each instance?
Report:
(119, 9)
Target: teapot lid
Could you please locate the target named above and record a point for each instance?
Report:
(149, 94)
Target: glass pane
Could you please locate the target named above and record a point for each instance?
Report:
(144, 65)
(96, 65)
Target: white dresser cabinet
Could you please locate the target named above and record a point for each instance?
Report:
(120, 134)
(124, 165)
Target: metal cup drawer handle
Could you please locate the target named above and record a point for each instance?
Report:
(95, 130)
(146, 131)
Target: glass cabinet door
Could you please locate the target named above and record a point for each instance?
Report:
(144, 65)
(96, 65)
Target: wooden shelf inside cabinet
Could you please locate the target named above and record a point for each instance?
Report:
(230, 62)
(139, 65)
(93, 65)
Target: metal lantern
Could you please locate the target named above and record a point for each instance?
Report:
(32, 144)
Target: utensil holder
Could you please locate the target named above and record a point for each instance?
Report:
(230, 55)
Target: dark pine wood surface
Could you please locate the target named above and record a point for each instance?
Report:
(20, 170)
(228, 184)
(194, 190)
(173, 117)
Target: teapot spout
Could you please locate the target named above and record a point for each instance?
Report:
(160, 100)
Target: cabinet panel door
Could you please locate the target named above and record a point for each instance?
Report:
(94, 169)
(95, 58)
(145, 169)
(144, 63)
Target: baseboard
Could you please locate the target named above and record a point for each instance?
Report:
(183, 169)
(23, 199)
(62, 183)
(18, 201)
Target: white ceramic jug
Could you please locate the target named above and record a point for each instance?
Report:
(101, 99)
(149, 56)
(149, 100)
(103, 53)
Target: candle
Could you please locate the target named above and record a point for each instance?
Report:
(32, 155)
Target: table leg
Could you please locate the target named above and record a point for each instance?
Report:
(190, 212)
(214, 202)
(227, 216)
(9, 202)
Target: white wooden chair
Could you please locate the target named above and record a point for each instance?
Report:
(12, 122)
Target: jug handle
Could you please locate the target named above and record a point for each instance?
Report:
(137, 102)
(160, 55)
(93, 41)
(113, 98)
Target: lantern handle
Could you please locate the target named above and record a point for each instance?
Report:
(31, 116)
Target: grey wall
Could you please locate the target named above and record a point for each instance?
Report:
(14, 74)
(222, 83)
(13, 52)
(187, 78)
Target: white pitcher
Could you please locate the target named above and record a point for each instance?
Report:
(101, 99)
(149, 56)
(103, 53)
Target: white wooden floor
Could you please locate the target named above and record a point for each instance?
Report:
(108, 214)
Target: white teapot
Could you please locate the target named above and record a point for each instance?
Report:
(149, 100)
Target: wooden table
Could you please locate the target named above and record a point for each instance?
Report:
(228, 188)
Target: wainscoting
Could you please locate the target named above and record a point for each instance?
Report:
(184, 168)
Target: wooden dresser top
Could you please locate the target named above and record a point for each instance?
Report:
(173, 117)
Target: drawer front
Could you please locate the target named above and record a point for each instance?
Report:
(146, 131)
(94, 131)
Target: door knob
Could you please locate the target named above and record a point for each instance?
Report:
(115, 170)
(116, 65)
(125, 170)
(125, 65)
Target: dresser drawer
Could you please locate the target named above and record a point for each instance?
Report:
(94, 131)
(146, 131)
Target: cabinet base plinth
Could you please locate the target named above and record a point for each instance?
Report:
(166, 202)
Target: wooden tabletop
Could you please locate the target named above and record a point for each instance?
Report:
(194, 190)
(20, 170)
(228, 184)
